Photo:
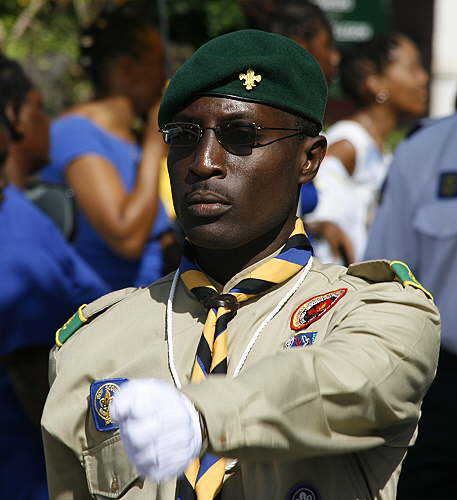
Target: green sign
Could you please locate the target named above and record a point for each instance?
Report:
(357, 20)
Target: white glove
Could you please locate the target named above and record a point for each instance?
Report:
(159, 426)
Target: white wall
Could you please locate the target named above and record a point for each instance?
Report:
(444, 58)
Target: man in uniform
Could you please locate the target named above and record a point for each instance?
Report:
(254, 371)
(416, 222)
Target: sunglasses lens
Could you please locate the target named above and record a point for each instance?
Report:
(181, 134)
(236, 137)
(238, 134)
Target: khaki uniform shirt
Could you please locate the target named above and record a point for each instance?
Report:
(336, 416)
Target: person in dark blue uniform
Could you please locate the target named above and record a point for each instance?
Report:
(42, 281)
(416, 222)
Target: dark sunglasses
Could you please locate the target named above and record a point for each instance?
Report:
(237, 137)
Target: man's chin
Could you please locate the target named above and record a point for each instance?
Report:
(212, 236)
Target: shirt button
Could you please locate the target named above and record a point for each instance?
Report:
(223, 439)
(115, 486)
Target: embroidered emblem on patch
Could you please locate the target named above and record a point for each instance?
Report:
(314, 308)
(101, 395)
(447, 187)
(303, 491)
(301, 339)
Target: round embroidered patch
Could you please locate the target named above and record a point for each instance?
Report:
(303, 491)
(314, 308)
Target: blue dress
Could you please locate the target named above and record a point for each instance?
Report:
(43, 281)
(73, 136)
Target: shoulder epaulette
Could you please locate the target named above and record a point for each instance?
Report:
(405, 276)
(86, 312)
(387, 270)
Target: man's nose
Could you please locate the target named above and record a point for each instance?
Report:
(209, 157)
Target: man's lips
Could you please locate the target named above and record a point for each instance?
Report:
(206, 204)
(205, 198)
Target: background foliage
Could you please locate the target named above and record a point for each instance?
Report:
(44, 36)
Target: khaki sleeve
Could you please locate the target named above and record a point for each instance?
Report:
(360, 388)
(52, 365)
(66, 476)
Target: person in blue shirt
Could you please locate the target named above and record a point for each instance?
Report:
(28, 151)
(42, 281)
(94, 150)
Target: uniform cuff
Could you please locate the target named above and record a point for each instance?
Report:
(220, 412)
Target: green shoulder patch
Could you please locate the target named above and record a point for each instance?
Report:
(69, 328)
(386, 270)
(87, 312)
(404, 275)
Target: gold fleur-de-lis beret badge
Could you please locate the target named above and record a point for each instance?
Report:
(250, 78)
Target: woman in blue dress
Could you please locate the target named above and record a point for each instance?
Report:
(94, 151)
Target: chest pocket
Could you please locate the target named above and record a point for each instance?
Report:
(435, 219)
(108, 471)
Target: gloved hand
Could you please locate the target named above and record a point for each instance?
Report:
(159, 426)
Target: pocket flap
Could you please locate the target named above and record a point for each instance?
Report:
(108, 470)
(435, 219)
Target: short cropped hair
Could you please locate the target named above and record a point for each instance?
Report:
(310, 127)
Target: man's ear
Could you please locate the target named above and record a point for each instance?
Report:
(314, 152)
(13, 123)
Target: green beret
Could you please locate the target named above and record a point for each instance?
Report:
(250, 65)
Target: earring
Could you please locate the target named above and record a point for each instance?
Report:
(382, 96)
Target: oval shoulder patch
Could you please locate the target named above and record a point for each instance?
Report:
(314, 308)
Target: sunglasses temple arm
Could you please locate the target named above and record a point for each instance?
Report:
(278, 139)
